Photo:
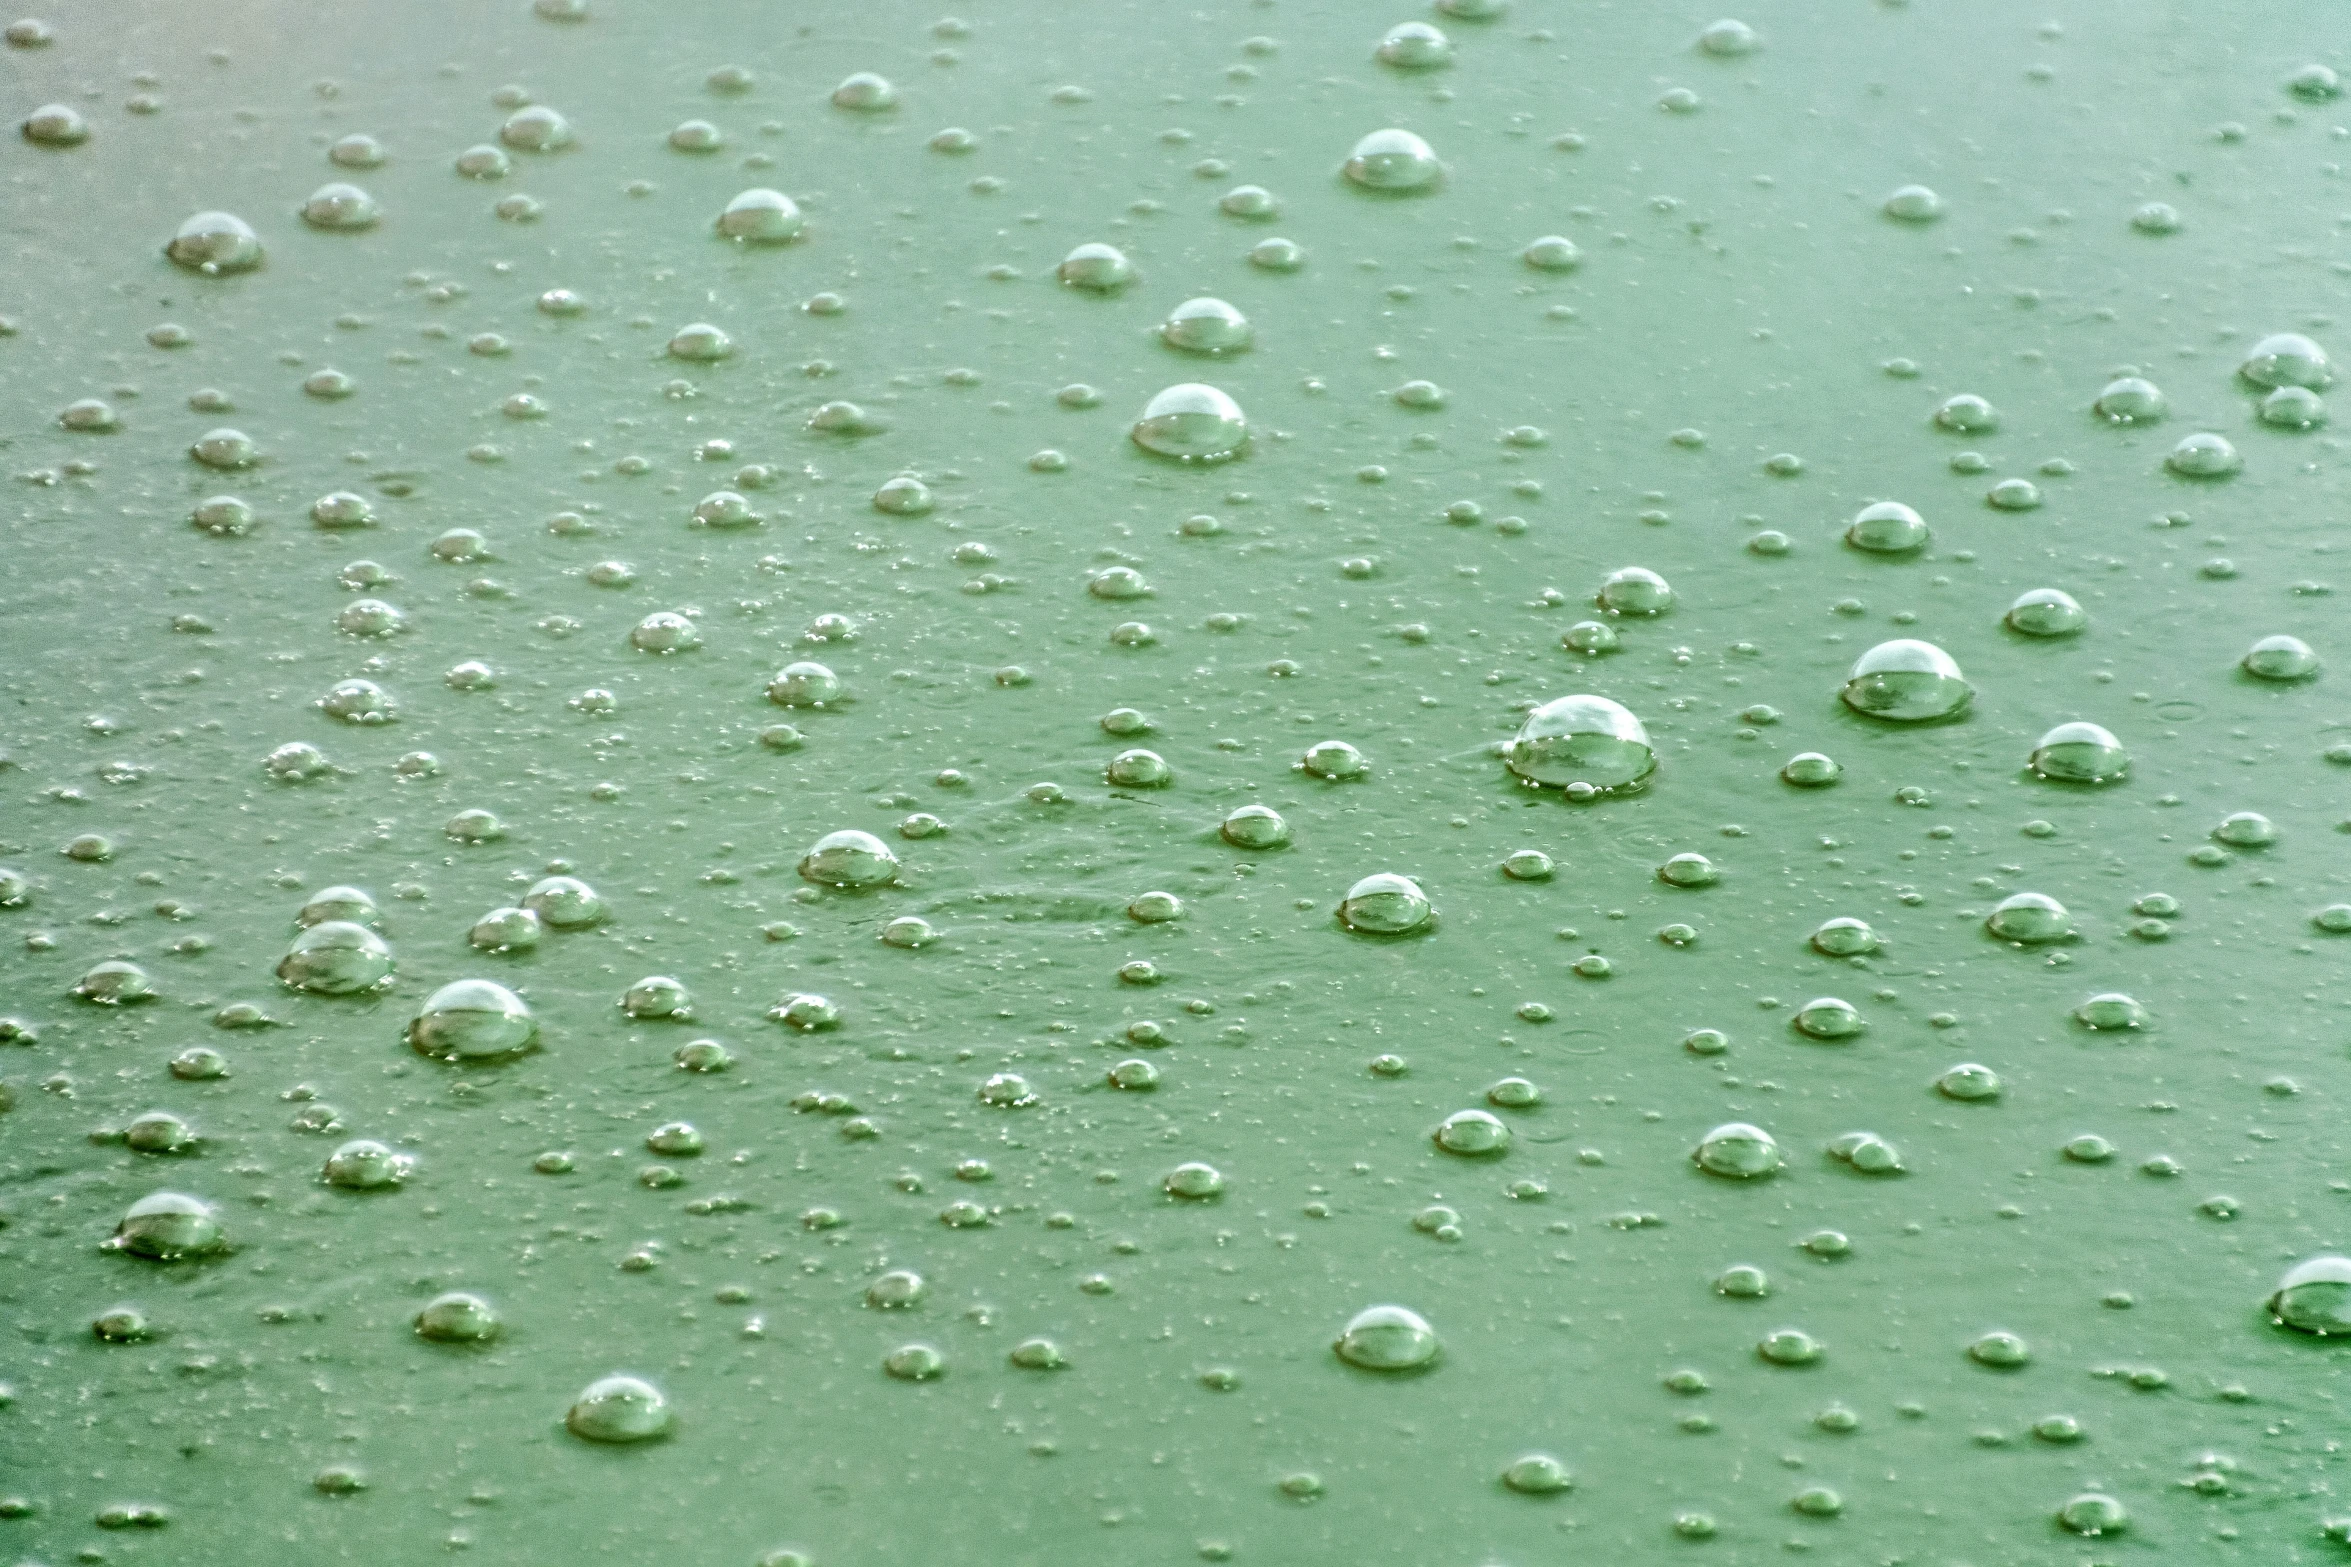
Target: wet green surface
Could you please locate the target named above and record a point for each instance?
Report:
(1394, 576)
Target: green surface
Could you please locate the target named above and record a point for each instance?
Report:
(1739, 284)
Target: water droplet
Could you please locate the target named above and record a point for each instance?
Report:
(2110, 1010)
(1038, 1354)
(1096, 266)
(166, 1227)
(1829, 1018)
(2293, 408)
(1967, 414)
(337, 958)
(1866, 1152)
(1007, 1091)
(2079, 753)
(1907, 681)
(699, 342)
(364, 1165)
(1393, 160)
(1737, 1150)
(1203, 326)
(2314, 1297)
(340, 206)
(1387, 1338)
(1473, 1133)
(1634, 590)
(2014, 495)
(537, 128)
(2092, 1513)
(58, 125)
(1582, 740)
(1688, 870)
(1253, 202)
(1333, 759)
(122, 1325)
(1192, 422)
(760, 216)
(1385, 904)
(2246, 830)
(114, 983)
(342, 509)
(2030, 918)
(849, 858)
(804, 684)
(1845, 937)
(1811, 770)
(1415, 46)
(1887, 528)
(224, 448)
(215, 242)
(1817, 1501)
(1194, 1181)
(1537, 1474)
(2046, 612)
(158, 1131)
(1914, 204)
(472, 1020)
(2130, 400)
(1528, 865)
(865, 92)
(2280, 658)
(2204, 455)
(619, 1409)
(2287, 359)
(1255, 827)
(1969, 1082)
(2001, 1351)
(1790, 1347)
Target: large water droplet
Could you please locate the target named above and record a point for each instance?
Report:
(167, 1226)
(619, 1409)
(1737, 1150)
(1582, 740)
(1387, 1338)
(849, 858)
(1906, 681)
(1393, 160)
(2030, 918)
(472, 1020)
(1192, 422)
(1887, 528)
(1205, 326)
(2287, 359)
(2280, 658)
(215, 242)
(760, 216)
(2046, 612)
(2314, 1297)
(2080, 753)
(337, 958)
(1385, 904)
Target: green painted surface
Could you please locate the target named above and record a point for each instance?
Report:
(1738, 280)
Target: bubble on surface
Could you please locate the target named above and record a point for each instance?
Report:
(699, 342)
(564, 903)
(337, 205)
(849, 858)
(1907, 681)
(536, 128)
(2293, 408)
(2287, 359)
(760, 216)
(114, 982)
(1914, 204)
(664, 631)
(1737, 1150)
(2030, 918)
(1887, 528)
(215, 242)
(804, 683)
(2280, 658)
(2246, 830)
(2109, 1011)
(619, 1409)
(1810, 770)
(1528, 865)
(2314, 1296)
(1967, 414)
(55, 125)
(1193, 1181)
(167, 1227)
(806, 1011)
(1582, 740)
(2204, 455)
(2093, 1513)
(1254, 827)
(1277, 255)
(2002, 1351)
(1969, 1082)
(1333, 759)
(225, 448)
(158, 1131)
(1728, 39)
(1867, 1152)
(363, 1165)
(1473, 1133)
(472, 1020)
(1790, 1347)
(1387, 1338)
(1193, 423)
(2046, 612)
(1204, 326)
(2131, 399)
(865, 92)
(657, 997)
(1253, 202)
(1688, 870)
(1097, 267)
(1393, 160)
(505, 930)
(2079, 753)
(1007, 1091)
(1414, 46)
(1845, 937)
(1385, 904)
(340, 509)
(337, 958)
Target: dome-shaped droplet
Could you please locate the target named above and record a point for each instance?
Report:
(849, 858)
(1097, 267)
(700, 343)
(2293, 408)
(1333, 759)
(1139, 769)
(457, 1318)
(1887, 528)
(1473, 1133)
(865, 92)
(1914, 204)
(1969, 1082)
(1205, 326)
(1688, 870)
(657, 997)
(2110, 1011)
(805, 683)
(2130, 399)
(619, 1409)
(760, 216)
(1737, 1150)
(1634, 590)
(1195, 1182)
(1867, 1152)
(505, 930)
(2287, 359)
(2046, 612)
(339, 903)
(1192, 422)
(1387, 1338)
(2204, 455)
(1393, 160)
(224, 448)
(1967, 414)
(1906, 681)
(114, 982)
(564, 903)
(1845, 937)
(1728, 39)
(472, 1020)
(536, 128)
(1829, 1017)
(1552, 253)
(2030, 918)
(215, 242)
(2093, 1513)
(1811, 770)
(1586, 740)
(2280, 658)
(2080, 753)
(337, 958)
(2314, 1297)
(61, 125)
(340, 206)
(664, 631)
(1255, 827)
(2246, 830)
(364, 1165)
(166, 1226)
(903, 496)
(1414, 46)
(1385, 904)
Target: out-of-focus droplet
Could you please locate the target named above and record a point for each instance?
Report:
(1914, 204)
(1393, 160)
(472, 1020)
(865, 93)
(2287, 359)
(1414, 46)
